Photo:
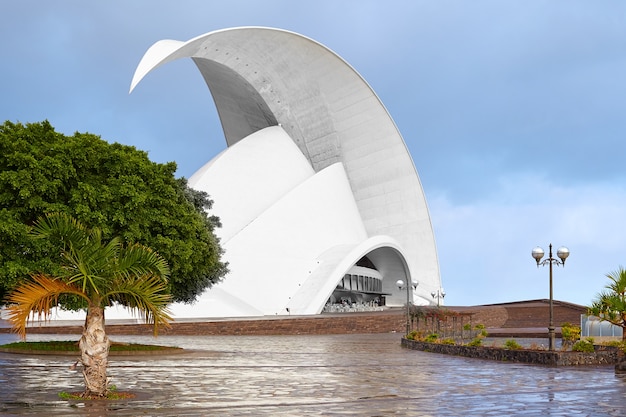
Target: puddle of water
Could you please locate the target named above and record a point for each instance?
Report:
(307, 375)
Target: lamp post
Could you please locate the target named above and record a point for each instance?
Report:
(401, 286)
(562, 253)
(439, 294)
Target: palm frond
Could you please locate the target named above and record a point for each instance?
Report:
(618, 281)
(145, 295)
(138, 259)
(81, 248)
(37, 296)
(62, 227)
(86, 268)
(609, 306)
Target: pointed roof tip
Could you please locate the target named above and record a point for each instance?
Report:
(155, 56)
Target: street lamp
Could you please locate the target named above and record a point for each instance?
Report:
(401, 286)
(439, 295)
(562, 253)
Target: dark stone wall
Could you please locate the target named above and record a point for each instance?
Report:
(604, 356)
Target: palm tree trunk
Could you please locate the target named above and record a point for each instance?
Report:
(94, 347)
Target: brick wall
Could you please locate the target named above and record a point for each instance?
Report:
(381, 322)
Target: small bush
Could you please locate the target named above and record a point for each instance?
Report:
(618, 344)
(412, 335)
(583, 346)
(511, 344)
(481, 332)
(477, 341)
(447, 341)
(467, 326)
(431, 338)
(569, 333)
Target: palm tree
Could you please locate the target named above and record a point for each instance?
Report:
(100, 274)
(610, 305)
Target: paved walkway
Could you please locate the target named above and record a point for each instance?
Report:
(338, 375)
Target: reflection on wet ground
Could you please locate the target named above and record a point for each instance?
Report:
(336, 375)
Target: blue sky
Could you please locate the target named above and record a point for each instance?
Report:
(514, 112)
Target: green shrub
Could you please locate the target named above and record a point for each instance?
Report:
(618, 344)
(448, 341)
(569, 333)
(431, 338)
(467, 326)
(481, 332)
(511, 344)
(412, 335)
(477, 341)
(583, 346)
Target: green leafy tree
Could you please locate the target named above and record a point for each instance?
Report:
(113, 187)
(100, 273)
(610, 305)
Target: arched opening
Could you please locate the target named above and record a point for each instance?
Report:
(360, 289)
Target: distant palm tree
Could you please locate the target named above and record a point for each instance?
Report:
(101, 274)
(610, 305)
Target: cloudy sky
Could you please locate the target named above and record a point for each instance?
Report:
(514, 111)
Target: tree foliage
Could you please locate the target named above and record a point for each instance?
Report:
(113, 187)
(610, 304)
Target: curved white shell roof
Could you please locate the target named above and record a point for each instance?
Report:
(315, 176)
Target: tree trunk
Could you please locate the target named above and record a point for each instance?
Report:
(94, 348)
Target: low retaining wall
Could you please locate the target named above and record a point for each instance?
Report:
(602, 355)
(345, 323)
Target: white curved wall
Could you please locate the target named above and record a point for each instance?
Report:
(250, 176)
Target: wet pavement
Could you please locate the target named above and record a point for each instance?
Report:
(337, 375)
